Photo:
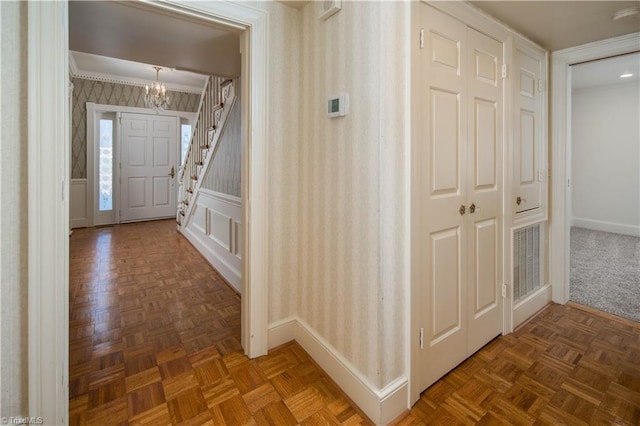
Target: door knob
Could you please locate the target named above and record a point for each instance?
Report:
(172, 173)
(462, 210)
(473, 208)
(520, 200)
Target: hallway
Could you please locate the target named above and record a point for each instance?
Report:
(155, 339)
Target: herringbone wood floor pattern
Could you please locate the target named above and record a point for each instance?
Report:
(154, 339)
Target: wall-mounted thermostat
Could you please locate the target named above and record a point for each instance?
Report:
(338, 105)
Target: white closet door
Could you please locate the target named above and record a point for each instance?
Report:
(528, 137)
(148, 157)
(442, 160)
(484, 190)
(458, 173)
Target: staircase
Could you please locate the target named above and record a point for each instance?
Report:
(216, 102)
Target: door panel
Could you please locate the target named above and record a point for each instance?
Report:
(459, 249)
(485, 144)
(161, 191)
(161, 152)
(446, 278)
(485, 293)
(484, 192)
(148, 150)
(441, 150)
(526, 165)
(527, 155)
(445, 124)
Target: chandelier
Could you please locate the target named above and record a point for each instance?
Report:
(156, 95)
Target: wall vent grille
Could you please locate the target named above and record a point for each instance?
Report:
(526, 261)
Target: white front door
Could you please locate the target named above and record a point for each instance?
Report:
(458, 199)
(148, 167)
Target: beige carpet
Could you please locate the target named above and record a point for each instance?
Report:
(605, 272)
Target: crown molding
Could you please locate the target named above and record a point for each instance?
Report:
(129, 81)
(73, 67)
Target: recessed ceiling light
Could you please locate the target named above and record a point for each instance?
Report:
(627, 75)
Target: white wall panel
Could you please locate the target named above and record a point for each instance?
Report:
(78, 203)
(350, 184)
(213, 227)
(606, 158)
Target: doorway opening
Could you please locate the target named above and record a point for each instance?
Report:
(605, 185)
(561, 138)
(49, 218)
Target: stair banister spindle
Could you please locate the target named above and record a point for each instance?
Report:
(210, 116)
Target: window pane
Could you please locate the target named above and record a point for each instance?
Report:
(185, 137)
(105, 166)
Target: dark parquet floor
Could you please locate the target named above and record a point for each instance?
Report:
(154, 339)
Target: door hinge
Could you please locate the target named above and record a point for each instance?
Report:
(541, 85)
(504, 290)
(504, 70)
(421, 38)
(421, 338)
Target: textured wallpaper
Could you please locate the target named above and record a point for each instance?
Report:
(109, 94)
(338, 294)
(282, 156)
(352, 283)
(13, 223)
(223, 174)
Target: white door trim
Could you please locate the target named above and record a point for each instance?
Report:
(92, 110)
(48, 191)
(561, 149)
(48, 216)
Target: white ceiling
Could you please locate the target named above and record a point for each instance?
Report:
(557, 25)
(135, 32)
(606, 72)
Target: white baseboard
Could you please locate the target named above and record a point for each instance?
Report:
(601, 225)
(380, 405)
(527, 307)
(229, 273)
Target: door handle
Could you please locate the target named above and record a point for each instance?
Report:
(172, 173)
(462, 210)
(520, 200)
(473, 208)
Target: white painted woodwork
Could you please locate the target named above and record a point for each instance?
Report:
(561, 148)
(381, 404)
(529, 161)
(484, 189)
(214, 229)
(78, 204)
(147, 155)
(94, 113)
(48, 154)
(458, 163)
(48, 157)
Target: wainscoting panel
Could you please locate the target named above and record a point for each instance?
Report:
(214, 229)
(78, 204)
